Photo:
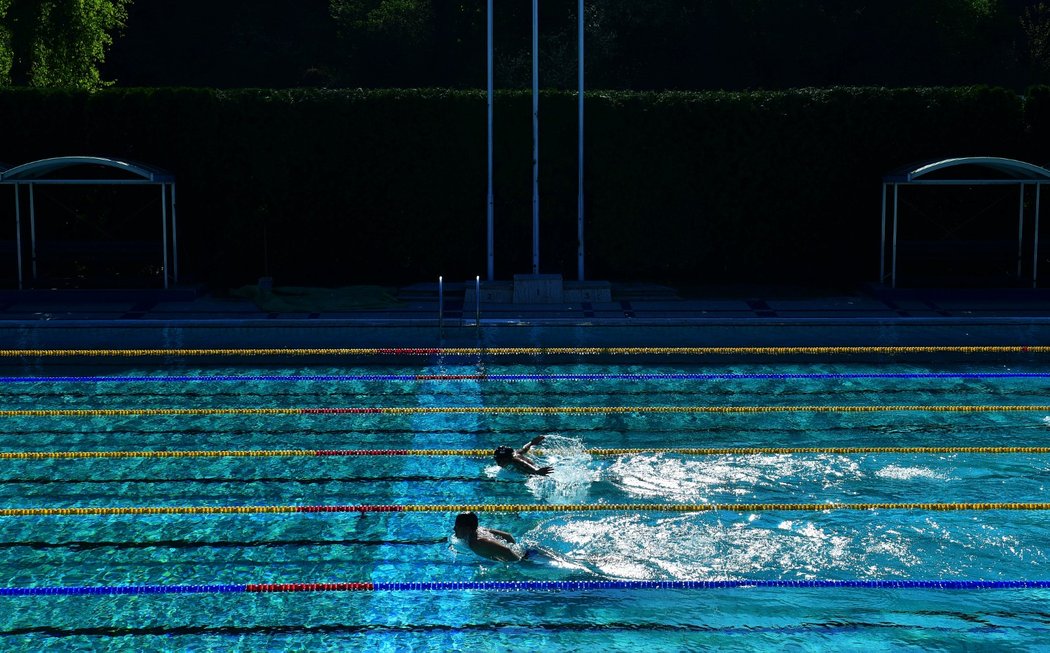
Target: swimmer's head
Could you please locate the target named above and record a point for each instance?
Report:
(466, 525)
(503, 455)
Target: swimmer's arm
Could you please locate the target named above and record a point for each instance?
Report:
(526, 466)
(494, 550)
(531, 443)
(504, 535)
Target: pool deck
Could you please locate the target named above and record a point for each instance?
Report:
(638, 315)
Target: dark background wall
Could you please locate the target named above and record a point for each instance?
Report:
(341, 186)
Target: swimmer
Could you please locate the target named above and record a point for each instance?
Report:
(505, 455)
(486, 542)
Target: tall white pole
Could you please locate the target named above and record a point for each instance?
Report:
(579, 201)
(490, 209)
(535, 137)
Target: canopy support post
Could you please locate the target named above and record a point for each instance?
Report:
(1035, 238)
(1020, 229)
(893, 273)
(164, 229)
(174, 239)
(882, 249)
(18, 235)
(32, 229)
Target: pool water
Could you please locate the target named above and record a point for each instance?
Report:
(107, 550)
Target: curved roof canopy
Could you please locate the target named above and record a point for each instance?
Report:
(966, 171)
(90, 170)
(72, 169)
(971, 169)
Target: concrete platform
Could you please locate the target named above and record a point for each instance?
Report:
(635, 315)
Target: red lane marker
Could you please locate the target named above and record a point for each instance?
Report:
(451, 377)
(309, 587)
(388, 508)
(361, 452)
(337, 411)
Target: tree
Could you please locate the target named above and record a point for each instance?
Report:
(5, 46)
(225, 44)
(57, 43)
(1035, 24)
(388, 40)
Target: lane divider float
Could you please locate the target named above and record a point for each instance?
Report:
(485, 453)
(626, 376)
(528, 351)
(520, 508)
(514, 410)
(526, 586)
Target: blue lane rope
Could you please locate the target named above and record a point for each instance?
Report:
(524, 377)
(528, 585)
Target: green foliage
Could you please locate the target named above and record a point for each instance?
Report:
(663, 44)
(6, 53)
(400, 19)
(57, 43)
(410, 42)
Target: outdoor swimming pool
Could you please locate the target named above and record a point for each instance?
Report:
(346, 472)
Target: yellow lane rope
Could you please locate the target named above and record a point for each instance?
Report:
(261, 453)
(527, 351)
(514, 410)
(520, 508)
(485, 453)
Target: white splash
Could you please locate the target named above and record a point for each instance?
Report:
(697, 547)
(574, 471)
(900, 473)
(688, 480)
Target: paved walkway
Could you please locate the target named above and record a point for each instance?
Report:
(631, 303)
(639, 315)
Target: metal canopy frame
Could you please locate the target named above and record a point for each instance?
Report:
(1005, 171)
(54, 172)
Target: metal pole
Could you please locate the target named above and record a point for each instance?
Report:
(164, 228)
(477, 301)
(882, 250)
(441, 302)
(535, 137)
(579, 201)
(1020, 229)
(1035, 240)
(490, 209)
(18, 235)
(32, 229)
(893, 274)
(174, 239)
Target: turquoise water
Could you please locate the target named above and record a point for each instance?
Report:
(416, 547)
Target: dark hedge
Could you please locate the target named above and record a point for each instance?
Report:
(346, 186)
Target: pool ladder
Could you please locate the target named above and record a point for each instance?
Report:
(441, 303)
